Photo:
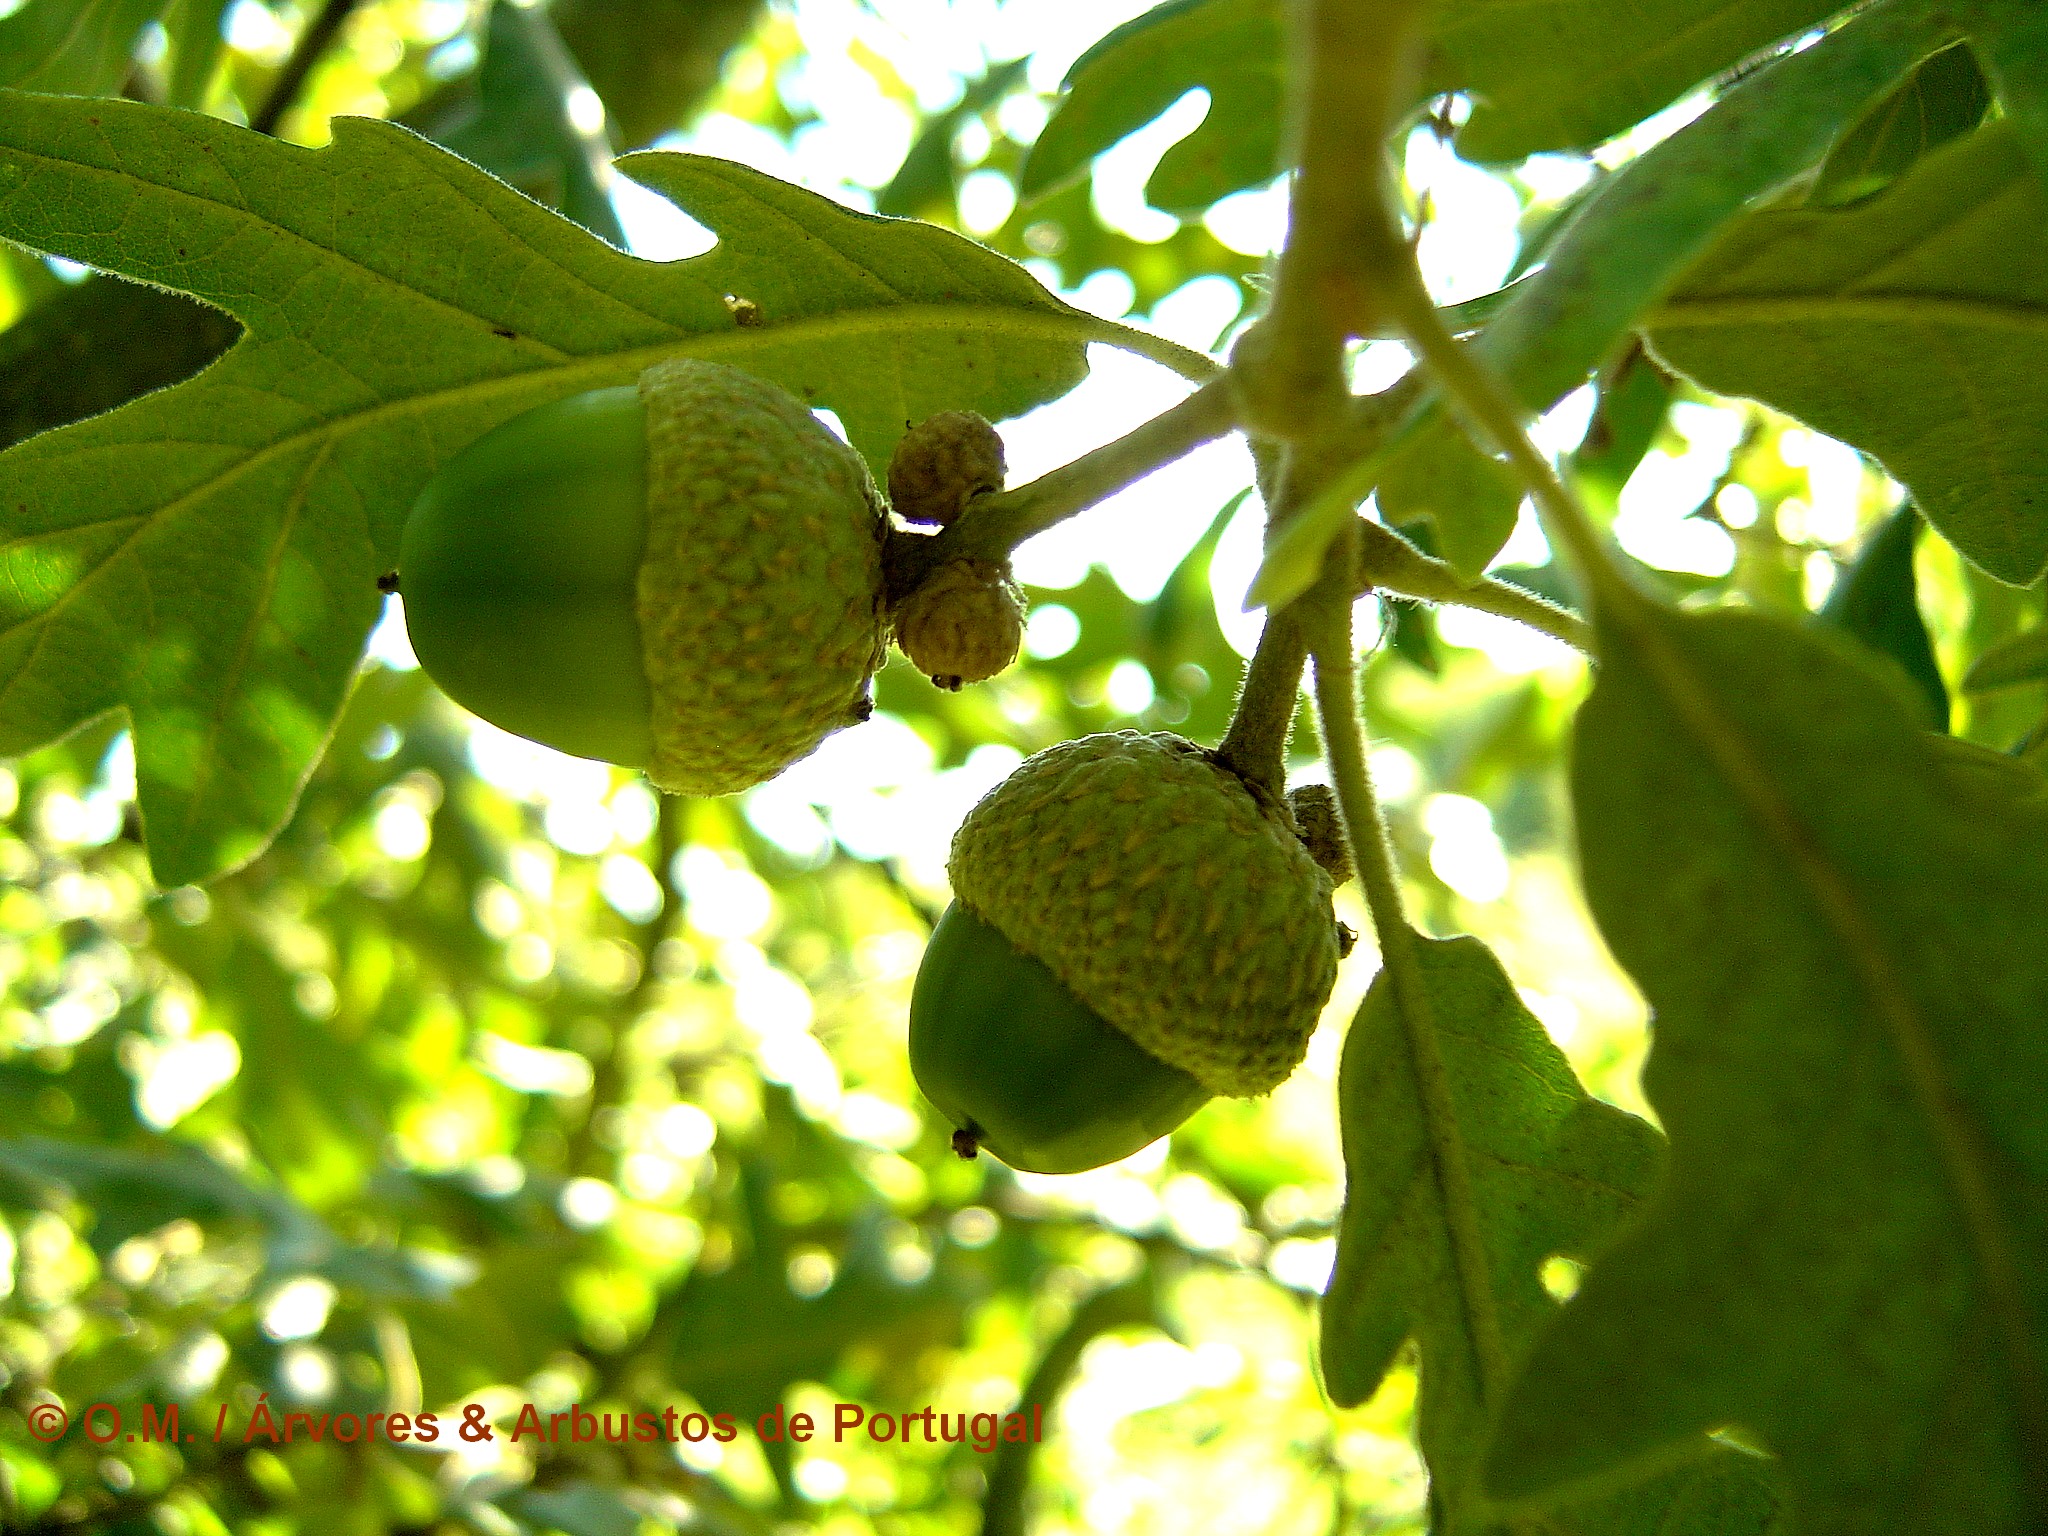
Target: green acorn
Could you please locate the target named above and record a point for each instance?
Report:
(1134, 931)
(683, 576)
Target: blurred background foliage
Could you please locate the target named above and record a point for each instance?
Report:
(498, 1079)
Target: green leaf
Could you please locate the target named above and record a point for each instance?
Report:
(1943, 99)
(1472, 1156)
(654, 62)
(2010, 39)
(1631, 240)
(1566, 75)
(1127, 1304)
(579, 1508)
(1543, 75)
(1232, 48)
(522, 130)
(79, 47)
(133, 1190)
(207, 556)
(1294, 555)
(1470, 497)
(1914, 325)
(1634, 397)
(1838, 920)
(2021, 659)
(923, 183)
(1877, 601)
(197, 44)
(83, 351)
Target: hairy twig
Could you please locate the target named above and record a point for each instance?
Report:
(319, 35)
(1255, 746)
(1389, 563)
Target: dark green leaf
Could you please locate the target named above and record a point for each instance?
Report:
(397, 303)
(2010, 39)
(1877, 601)
(1554, 74)
(1472, 1155)
(1943, 99)
(196, 47)
(923, 184)
(1838, 920)
(1231, 47)
(522, 130)
(2021, 659)
(653, 62)
(79, 47)
(1468, 496)
(579, 1509)
(90, 348)
(1131, 1303)
(1632, 239)
(1565, 74)
(1909, 325)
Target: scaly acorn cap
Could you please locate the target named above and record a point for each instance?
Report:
(760, 593)
(963, 624)
(1165, 896)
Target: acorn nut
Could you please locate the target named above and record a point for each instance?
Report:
(683, 576)
(1133, 932)
(943, 462)
(963, 624)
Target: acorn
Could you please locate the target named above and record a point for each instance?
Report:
(963, 624)
(682, 575)
(943, 463)
(1134, 931)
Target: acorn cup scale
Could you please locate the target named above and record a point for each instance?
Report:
(1134, 931)
(682, 576)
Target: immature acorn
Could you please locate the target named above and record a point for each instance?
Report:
(963, 624)
(1133, 932)
(683, 576)
(942, 463)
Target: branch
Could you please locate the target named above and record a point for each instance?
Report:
(1390, 563)
(313, 42)
(1350, 68)
(994, 525)
(1255, 746)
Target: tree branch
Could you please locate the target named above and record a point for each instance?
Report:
(1390, 563)
(1255, 746)
(319, 35)
(1349, 70)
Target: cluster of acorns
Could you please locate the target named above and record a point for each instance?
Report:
(686, 576)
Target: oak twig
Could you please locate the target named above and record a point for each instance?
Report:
(1255, 746)
(1389, 563)
(318, 37)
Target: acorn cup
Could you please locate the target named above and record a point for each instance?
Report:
(683, 576)
(1133, 932)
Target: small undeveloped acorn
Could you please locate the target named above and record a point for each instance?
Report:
(963, 624)
(1321, 829)
(1133, 932)
(684, 576)
(942, 463)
